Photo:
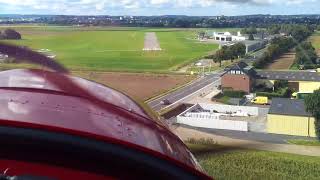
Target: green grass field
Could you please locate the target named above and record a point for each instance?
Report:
(315, 39)
(230, 163)
(114, 49)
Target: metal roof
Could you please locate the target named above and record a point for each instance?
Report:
(284, 106)
(289, 75)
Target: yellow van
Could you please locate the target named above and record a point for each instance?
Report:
(260, 100)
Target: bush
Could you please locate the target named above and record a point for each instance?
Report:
(10, 34)
(234, 94)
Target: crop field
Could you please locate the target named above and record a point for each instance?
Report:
(140, 86)
(315, 39)
(229, 163)
(114, 48)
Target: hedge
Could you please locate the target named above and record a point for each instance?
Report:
(284, 93)
(234, 94)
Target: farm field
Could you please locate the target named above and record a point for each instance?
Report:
(315, 40)
(140, 86)
(229, 163)
(114, 48)
(284, 62)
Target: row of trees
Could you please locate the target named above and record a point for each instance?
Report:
(250, 30)
(306, 56)
(277, 47)
(10, 34)
(229, 53)
(298, 32)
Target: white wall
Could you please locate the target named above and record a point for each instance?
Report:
(213, 124)
(253, 111)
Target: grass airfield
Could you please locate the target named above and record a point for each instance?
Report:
(114, 48)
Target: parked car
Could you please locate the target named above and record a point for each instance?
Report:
(165, 102)
(262, 100)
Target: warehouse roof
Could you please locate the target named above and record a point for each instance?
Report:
(289, 75)
(284, 106)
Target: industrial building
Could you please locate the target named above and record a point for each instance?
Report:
(301, 81)
(243, 78)
(289, 117)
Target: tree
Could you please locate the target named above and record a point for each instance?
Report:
(312, 103)
(11, 34)
(306, 55)
(251, 37)
(201, 34)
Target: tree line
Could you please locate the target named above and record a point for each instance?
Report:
(228, 53)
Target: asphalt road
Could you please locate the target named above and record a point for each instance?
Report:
(182, 93)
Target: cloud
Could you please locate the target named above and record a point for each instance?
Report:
(104, 6)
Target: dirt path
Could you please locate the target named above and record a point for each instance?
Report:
(185, 133)
(283, 62)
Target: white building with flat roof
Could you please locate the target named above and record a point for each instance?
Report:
(228, 37)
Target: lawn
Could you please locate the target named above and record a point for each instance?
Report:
(230, 163)
(304, 142)
(315, 40)
(115, 49)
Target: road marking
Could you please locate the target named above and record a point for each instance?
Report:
(191, 88)
(189, 95)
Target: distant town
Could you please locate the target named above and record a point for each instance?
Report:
(164, 21)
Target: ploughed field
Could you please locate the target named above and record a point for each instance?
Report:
(140, 86)
(114, 48)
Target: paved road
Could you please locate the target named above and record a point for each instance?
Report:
(177, 96)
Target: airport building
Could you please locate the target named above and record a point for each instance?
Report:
(228, 37)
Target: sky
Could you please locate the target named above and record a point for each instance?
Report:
(160, 7)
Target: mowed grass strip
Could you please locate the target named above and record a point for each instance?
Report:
(231, 163)
(114, 49)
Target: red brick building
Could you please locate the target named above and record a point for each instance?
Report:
(240, 77)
